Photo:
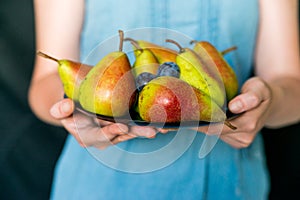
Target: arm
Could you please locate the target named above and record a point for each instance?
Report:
(272, 97)
(58, 28)
(58, 25)
(277, 65)
(278, 60)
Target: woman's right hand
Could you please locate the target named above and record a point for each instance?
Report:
(94, 132)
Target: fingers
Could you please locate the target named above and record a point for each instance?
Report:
(254, 91)
(143, 131)
(244, 102)
(87, 133)
(103, 137)
(102, 122)
(233, 142)
(253, 95)
(122, 138)
(101, 134)
(239, 139)
(62, 109)
(166, 130)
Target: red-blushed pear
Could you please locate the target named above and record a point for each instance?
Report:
(109, 88)
(71, 74)
(212, 58)
(169, 99)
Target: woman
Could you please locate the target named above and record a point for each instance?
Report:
(267, 38)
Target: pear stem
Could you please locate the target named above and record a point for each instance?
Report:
(47, 56)
(228, 50)
(181, 49)
(130, 39)
(227, 123)
(121, 35)
(193, 41)
(222, 52)
(134, 43)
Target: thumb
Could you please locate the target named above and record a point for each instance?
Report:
(254, 91)
(62, 109)
(244, 102)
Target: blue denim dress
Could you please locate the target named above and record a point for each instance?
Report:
(178, 165)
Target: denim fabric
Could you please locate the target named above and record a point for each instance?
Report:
(167, 167)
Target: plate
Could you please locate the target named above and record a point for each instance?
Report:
(133, 118)
(157, 36)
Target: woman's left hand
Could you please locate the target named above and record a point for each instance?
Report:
(253, 104)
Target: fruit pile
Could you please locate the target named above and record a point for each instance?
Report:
(163, 85)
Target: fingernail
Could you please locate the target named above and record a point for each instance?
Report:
(66, 107)
(236, 106)
(60, 108)
(54, 111)
(150, 134)
(152, 137)
(123, 128)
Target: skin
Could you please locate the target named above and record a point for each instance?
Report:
(271, 98)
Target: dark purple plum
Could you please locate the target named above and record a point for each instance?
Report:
(169, 69)
(142, 79)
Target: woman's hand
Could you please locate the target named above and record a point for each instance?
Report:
(253, 104)
(94, 132)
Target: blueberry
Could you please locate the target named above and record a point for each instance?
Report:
(169, 69)
(142, 79)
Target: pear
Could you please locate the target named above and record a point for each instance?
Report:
(211, 57)
(71, 74)
(145, 61)
(197, 74)
(109, 88)
(169, 99)
(161, 53)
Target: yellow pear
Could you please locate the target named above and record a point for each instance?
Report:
(197, 74)
(212, 58)
(145, 60)
(71, 74)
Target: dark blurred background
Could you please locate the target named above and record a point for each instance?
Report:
(283, 159)
(282, 147)
(30, 148)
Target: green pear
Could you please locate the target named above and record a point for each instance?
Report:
(71, 74)
(169, 99)
(211, 57)
(197, 74)
(109, 88)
